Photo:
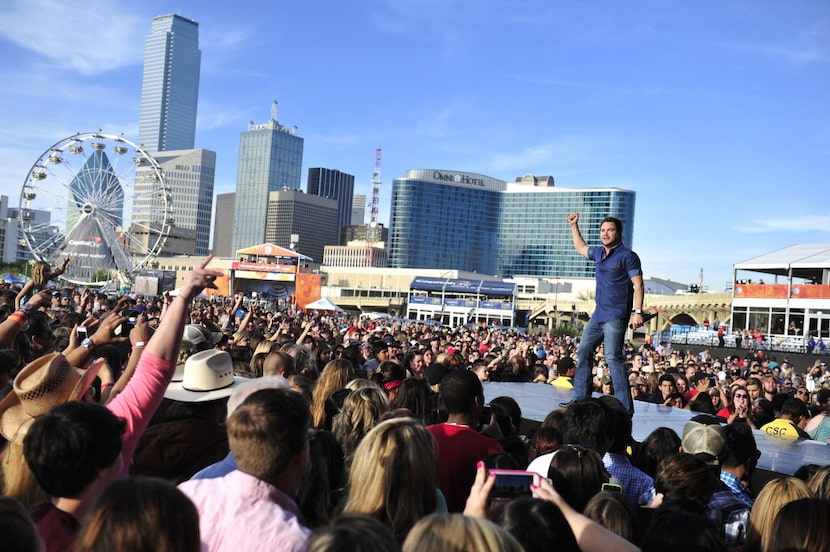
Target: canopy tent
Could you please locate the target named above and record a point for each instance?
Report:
(806, 261)
(323, 304)
(271, 250)
(14, 279)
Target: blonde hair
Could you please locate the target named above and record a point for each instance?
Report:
(18, 480)
(393, 474)
(360, 383)
(819, 483)
(40, 274)
(264, 346)
(459, 533)
(336, 375)
(360, 413)
(770, 500)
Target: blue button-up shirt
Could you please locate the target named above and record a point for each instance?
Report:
(614, 291)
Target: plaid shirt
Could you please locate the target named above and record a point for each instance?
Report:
(638, 486)
(738, 488)
(731, 514)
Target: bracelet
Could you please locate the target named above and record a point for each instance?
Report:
(107, 386)
(139, 344)
(19, 318)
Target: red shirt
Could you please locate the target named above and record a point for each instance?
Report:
(460, 448)
(57, 528)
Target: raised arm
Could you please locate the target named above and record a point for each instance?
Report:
(168, 336)
(579, 242)
(61, 269)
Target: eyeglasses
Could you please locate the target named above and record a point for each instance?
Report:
(802, 392)
(741, 396)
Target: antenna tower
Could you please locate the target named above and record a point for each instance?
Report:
(376, 182)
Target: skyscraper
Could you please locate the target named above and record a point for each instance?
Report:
(465, 221)
(189, 175)
(223, 225)
(445, 219)
(170, 87)
(270, 159)
(358, 209)
(311, 218)
(336, 185)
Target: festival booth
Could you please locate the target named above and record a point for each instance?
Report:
(785, 295)
(275, 274)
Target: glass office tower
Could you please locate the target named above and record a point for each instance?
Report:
(445, 219)
(270, 159)
(170, 87)
(465, 221)
(535, 237)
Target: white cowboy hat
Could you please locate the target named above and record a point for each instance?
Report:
(208, 375)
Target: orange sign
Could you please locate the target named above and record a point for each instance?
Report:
(811, 291)
(308, 287)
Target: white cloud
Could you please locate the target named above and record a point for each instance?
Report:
(786, 223)
(545, 156)
(792, 54)
(91, 37)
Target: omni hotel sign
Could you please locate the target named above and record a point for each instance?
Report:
(457, 178)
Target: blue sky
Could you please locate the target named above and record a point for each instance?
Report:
(716, 113)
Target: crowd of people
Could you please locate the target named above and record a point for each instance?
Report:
(186, 422)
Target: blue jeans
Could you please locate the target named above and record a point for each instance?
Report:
(612, 334)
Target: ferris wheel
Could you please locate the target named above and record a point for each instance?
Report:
(100, 199)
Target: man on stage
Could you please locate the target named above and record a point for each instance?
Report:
(619, 304)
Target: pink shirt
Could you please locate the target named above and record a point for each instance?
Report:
(140, 399)
(240, 512)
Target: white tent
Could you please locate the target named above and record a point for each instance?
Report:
(323, 304)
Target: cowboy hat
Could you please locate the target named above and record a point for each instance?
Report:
(41, 385)
(208, 375)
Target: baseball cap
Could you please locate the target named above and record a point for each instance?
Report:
(704, 437)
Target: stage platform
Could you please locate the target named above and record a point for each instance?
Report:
(538, 399)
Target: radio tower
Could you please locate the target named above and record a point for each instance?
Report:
(376, 182)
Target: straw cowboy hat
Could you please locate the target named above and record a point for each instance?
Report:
(208, 375)
(41, 385)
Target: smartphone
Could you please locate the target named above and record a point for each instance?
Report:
(613, 487)
(485, 416)
(512, 483)
(82, 333)
(126, 327)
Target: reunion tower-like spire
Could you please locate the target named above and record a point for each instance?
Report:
(376, 182)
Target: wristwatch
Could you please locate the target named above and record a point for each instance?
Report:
(88, 343)
(637, 311)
